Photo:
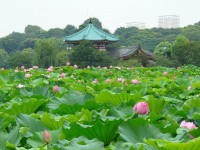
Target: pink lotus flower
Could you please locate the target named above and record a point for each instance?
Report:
(126, 84)
(62, 75)
(118, 68)
(16, 70)
(121, 80)
(110, 72)
(174, 78)
(2, 69)
(48, 76)
(56, 89)
(189, 77)
(164, 73)
(75, 66)
(79, 81)
(20, 86)
(111, 66)
(72, 76)
(141, 108)
(30, 69)
(68, 63)
(189, 125)
(178, 68)
(104, 68)
(22, 67)
(135, 81)
(189, 87)
(50, 69)
(99, 67)
(95, 81)
(88, 67)
(27, 75)
(35, 67)
(107, 80)
(46, 137)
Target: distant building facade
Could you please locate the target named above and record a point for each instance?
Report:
(169, 21)
(139, 25)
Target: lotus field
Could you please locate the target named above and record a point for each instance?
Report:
(115, 108)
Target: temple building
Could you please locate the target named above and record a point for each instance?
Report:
(91, 33)
(101, 40)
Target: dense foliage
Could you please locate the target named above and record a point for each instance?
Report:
(93, 108)
(155, 40)
(85, 54)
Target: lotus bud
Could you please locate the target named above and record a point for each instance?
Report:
(141, 108)
(68, 63)
(135, 81)
(75, 66)
(164, 73)
(46, 137)
(56, 88)
(108, 81)
(2, 69)
(62, 75)
(27, 75)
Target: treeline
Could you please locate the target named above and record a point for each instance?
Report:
(19, 49)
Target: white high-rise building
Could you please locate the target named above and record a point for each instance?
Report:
(168, 21)
(139, 25)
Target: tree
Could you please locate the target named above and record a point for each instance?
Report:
(69, 29)
(28, 43)
(192, 32)
(163, 49)
(3, 58)
(21, 58)
(86, 54)
(62, 57)
(180, 40)
(45, 53)
(9, 44)
(56, 32)
(188, 53)
(32, 30)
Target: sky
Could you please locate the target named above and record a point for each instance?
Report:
(15, 15)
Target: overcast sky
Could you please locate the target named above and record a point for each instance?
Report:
(15, 15)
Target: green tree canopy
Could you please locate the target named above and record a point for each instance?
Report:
(45, 53)
(163, 48)
(188, 53)
(21, 58)
(3, 58)
(32, 30)
(180, 40)
(86, 54)
(69, 29)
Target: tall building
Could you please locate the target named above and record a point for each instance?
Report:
(168, 21)
(139, 25)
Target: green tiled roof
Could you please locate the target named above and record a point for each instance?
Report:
(91, 33)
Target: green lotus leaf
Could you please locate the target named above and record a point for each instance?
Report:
(105, 132)
(135, 130)
(26, 107)
(114, 98)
